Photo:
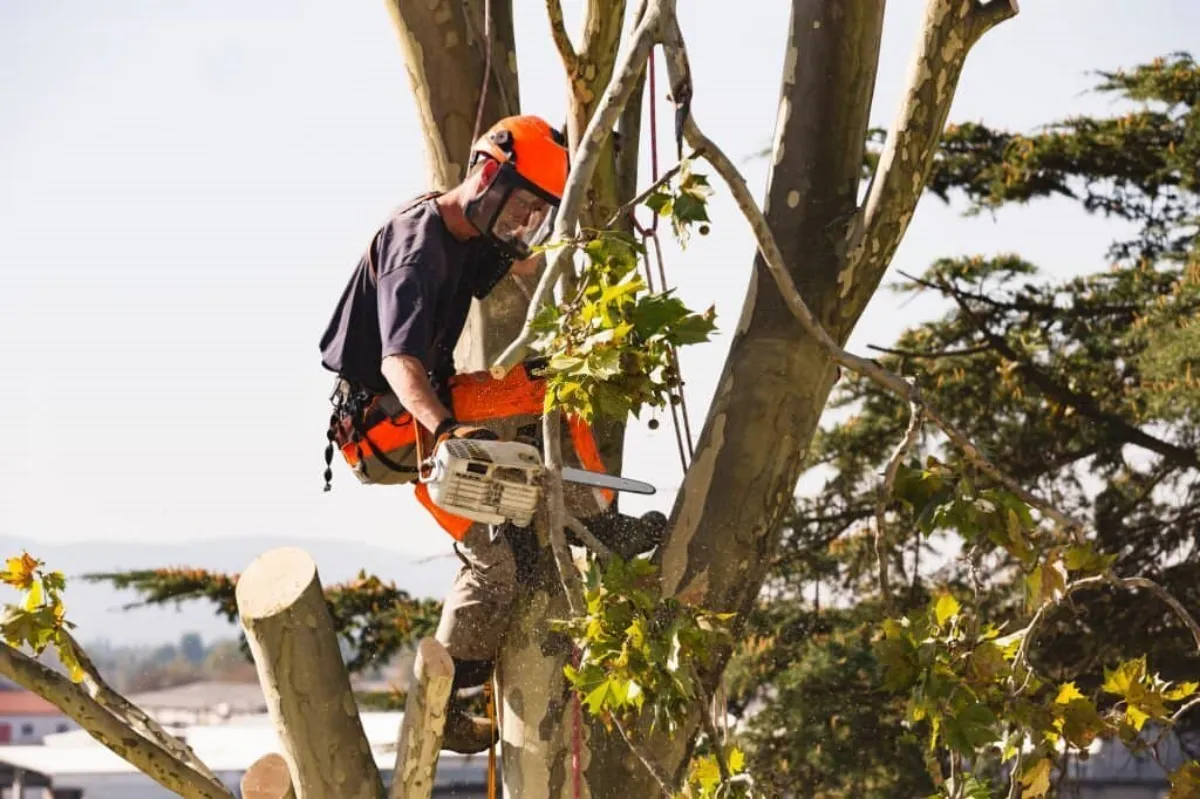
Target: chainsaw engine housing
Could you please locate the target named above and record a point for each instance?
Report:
(486, 481)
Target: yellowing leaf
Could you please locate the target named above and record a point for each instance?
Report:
(1081, 723)
(1136, 717)
(1181, 691)
(1185, 782)
(1127, 677)
(1036, 779)
(946, 608)
(1066, 693)
(35, 597)
(737, 761)
(19, 571)
(1046, 582)
(707, 774)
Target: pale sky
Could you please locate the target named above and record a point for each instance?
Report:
(186, 186)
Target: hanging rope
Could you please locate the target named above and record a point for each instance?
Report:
(487, 64)
(491, 716)
(683, 432)
(576, 737)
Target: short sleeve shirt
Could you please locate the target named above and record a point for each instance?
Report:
(409, 295)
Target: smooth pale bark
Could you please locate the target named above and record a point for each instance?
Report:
(776, 381)
(424, 721)
(285, 617)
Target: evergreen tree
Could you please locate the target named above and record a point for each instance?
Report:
(1086, 388)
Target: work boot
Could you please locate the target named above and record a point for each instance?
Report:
(627, 536)
(465, 733)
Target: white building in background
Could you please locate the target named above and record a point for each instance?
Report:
(26, 718)
(76, 766)
(202, 702)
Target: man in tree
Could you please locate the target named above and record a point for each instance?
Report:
(391, 342)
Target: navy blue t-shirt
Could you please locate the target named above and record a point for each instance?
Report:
(409, 295)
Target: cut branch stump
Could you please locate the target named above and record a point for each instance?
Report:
(291, 636)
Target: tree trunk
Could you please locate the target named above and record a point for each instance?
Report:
(287, 623)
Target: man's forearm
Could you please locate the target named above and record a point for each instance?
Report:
(406, 375)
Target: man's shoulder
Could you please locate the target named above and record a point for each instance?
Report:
(411, 231)
(419, 212)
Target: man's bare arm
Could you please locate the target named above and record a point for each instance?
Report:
(406, 375)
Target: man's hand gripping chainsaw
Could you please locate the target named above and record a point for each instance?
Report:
(472, 474)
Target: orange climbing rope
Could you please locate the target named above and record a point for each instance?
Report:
(491, 716)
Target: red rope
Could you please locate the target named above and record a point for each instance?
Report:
(576, 737)
(653, 133)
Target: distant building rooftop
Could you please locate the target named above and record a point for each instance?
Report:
(228, 749)
(238, 697)
(25, 703)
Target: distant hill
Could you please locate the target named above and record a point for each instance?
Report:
(97, 608)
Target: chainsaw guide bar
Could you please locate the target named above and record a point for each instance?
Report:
(501, 481)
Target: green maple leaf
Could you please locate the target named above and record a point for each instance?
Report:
(1081, 723)
(971, 729)
(598, 697)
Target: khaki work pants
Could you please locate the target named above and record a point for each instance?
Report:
(475, 614)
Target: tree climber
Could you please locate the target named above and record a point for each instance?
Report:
(391, 342)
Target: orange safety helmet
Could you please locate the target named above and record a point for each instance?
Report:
(524, 174)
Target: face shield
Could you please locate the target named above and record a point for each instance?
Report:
(514, 213)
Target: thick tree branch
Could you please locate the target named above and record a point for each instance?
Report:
(424, 722)
(627, 142)
(144, 754)
(131, 714)
(597, 133)
(951, 28)
(558, 30)
(787, 287)
(869, 369)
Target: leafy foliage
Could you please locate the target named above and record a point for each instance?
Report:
(375, 618)
(611, 345)
(828, 727)
(639, 652)
(39, 620)
(704, 779)
(685, 204)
